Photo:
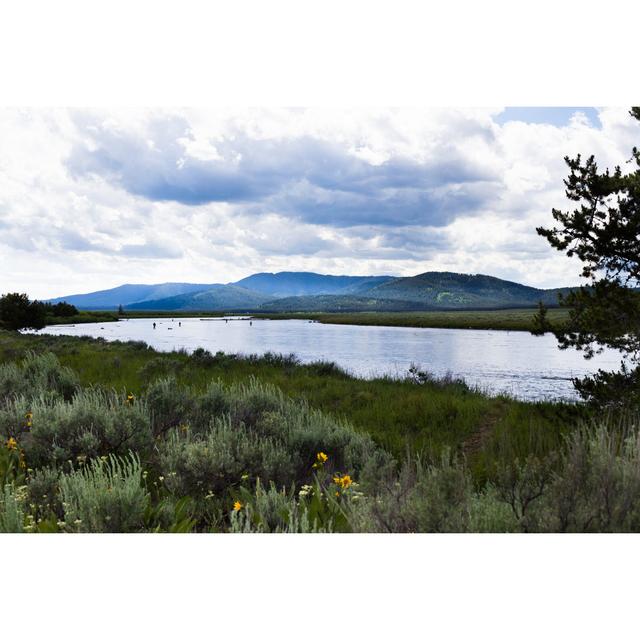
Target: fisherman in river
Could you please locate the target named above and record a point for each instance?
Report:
(154, 325)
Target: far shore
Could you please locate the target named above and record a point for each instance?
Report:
(498, 319)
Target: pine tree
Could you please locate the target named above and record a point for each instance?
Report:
(604, 233)
(540, 322)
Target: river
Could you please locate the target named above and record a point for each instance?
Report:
(512, 362)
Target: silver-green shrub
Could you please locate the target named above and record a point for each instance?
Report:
(214, 462)
(302, 430)
(212, 404)
(43, 493)
(105, 496)
(169, 404)
(274, 510)
(37, 375)
(94, 423)
(424, 498)
(11, 510)
(488, 513)
(597, 487)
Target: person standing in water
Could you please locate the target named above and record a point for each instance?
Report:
(154, 325)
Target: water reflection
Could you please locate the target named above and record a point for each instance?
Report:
(514, 362)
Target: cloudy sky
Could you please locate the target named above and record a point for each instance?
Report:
(92, 199)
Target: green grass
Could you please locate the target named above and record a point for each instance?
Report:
(115, 437)
(113, 316)
(400, 415)
(505, 319)
(502, 319)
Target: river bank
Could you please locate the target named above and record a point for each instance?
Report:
(116, 437)
(500, 319)
(419, 412)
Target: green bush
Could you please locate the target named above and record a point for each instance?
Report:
(248, 404)
(169, 404)
(423, 498)
(160, 366)
(274, 510)
(489, 514)
(43, 494)
(11, 510)
(203, 357)
(38, 375)
(211, 404)
(301, 430)
(95, 423)
(597, 488)
(215, 462)
(105, 496)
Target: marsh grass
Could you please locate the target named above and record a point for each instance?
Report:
(499, 319)
(103, 436)
(397, 413)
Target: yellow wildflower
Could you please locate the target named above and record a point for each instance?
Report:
(237, 505)
(321, 458)
(29, 418)
(130, 398)
(12, 444)
(345, 481)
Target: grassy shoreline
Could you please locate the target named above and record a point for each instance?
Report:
(116, 437)
(503, 319)
(422, 415)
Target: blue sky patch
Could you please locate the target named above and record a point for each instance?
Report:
(556, 116)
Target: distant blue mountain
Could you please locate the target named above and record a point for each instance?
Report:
(129, 294)
(220, 297)
(305, 291)
(304, 283)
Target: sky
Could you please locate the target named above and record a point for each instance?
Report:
(91, 199)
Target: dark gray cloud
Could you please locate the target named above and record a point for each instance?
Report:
(305, 178)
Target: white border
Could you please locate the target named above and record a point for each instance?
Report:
(306, 586)
(330, 53)
(321, 54)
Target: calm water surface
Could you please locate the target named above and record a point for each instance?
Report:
(514, 362)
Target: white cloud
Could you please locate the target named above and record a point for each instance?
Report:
(92, 199)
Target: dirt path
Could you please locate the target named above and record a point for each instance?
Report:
(476, 441)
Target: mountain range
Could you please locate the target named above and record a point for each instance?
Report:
(289, 291)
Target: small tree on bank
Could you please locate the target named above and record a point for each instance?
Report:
(18, 312)
(604, 233)
(540, 322)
